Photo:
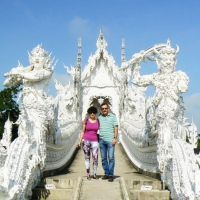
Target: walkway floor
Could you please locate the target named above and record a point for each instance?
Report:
(102, 189)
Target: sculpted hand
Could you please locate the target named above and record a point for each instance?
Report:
(16, 74)
(182, 86)
(7, 74)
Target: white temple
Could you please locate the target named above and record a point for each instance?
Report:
(152, 131)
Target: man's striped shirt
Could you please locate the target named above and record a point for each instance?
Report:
(107, 124)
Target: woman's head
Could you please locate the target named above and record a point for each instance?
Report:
(92, 110)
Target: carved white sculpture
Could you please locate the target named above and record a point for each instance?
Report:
(39, 122)
(165, 125)
(29, 149)
(66, 112)
(7, 135)
(192, 134)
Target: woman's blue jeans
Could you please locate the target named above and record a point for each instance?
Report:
(107, 156)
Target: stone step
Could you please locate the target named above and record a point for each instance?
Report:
(137, 184)
(51, 194)
(65, 189)
(68, 189)
(61, 183)
(100, 190)
(149, 194)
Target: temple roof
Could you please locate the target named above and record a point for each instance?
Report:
(101, 69)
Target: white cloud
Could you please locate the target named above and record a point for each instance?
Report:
(64, 79)
(192, 106)
(79, 27)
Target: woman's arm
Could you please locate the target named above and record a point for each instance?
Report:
(82, 133)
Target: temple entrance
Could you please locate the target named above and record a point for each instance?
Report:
(96, 101)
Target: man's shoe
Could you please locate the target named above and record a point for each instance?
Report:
(104, 177)
(110, 179)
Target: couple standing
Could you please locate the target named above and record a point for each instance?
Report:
(106, 139)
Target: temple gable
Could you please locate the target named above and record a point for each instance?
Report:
(101, 70)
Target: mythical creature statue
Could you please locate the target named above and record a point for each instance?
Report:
(165, 128)
(164, 119)
(65, 106)
(29, 149)
(165, 105)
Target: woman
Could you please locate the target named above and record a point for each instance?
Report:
(89, 140)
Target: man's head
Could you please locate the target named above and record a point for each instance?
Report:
(166, 60)
(104, 108)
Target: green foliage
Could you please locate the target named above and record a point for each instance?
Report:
(187, 139)
(198, 143)
(8, 106)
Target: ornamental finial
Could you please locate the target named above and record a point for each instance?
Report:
(79, 53)
(101, 42)
(123, 58)
(168, 42)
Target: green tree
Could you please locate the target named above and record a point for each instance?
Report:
(198, 143)
(9, 106)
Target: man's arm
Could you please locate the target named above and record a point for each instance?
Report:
(114, 142)
(115, 132)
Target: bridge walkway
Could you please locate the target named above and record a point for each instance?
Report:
(71, 183)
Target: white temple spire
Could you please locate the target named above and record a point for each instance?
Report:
(77, 80)
(79, 52)
(101, 42)
(123, 58)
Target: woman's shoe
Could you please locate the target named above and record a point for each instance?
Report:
(89, 177)
(95, 176)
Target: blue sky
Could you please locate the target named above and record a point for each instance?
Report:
(57, 24)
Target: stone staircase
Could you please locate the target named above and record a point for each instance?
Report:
(128, 184)
(64, 189)
(82, 189)
(137, 193)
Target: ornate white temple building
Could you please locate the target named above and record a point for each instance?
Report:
(100, 80)
(152, 131)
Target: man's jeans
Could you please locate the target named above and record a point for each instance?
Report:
(107, 156)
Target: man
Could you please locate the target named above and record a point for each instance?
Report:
(107, 140)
